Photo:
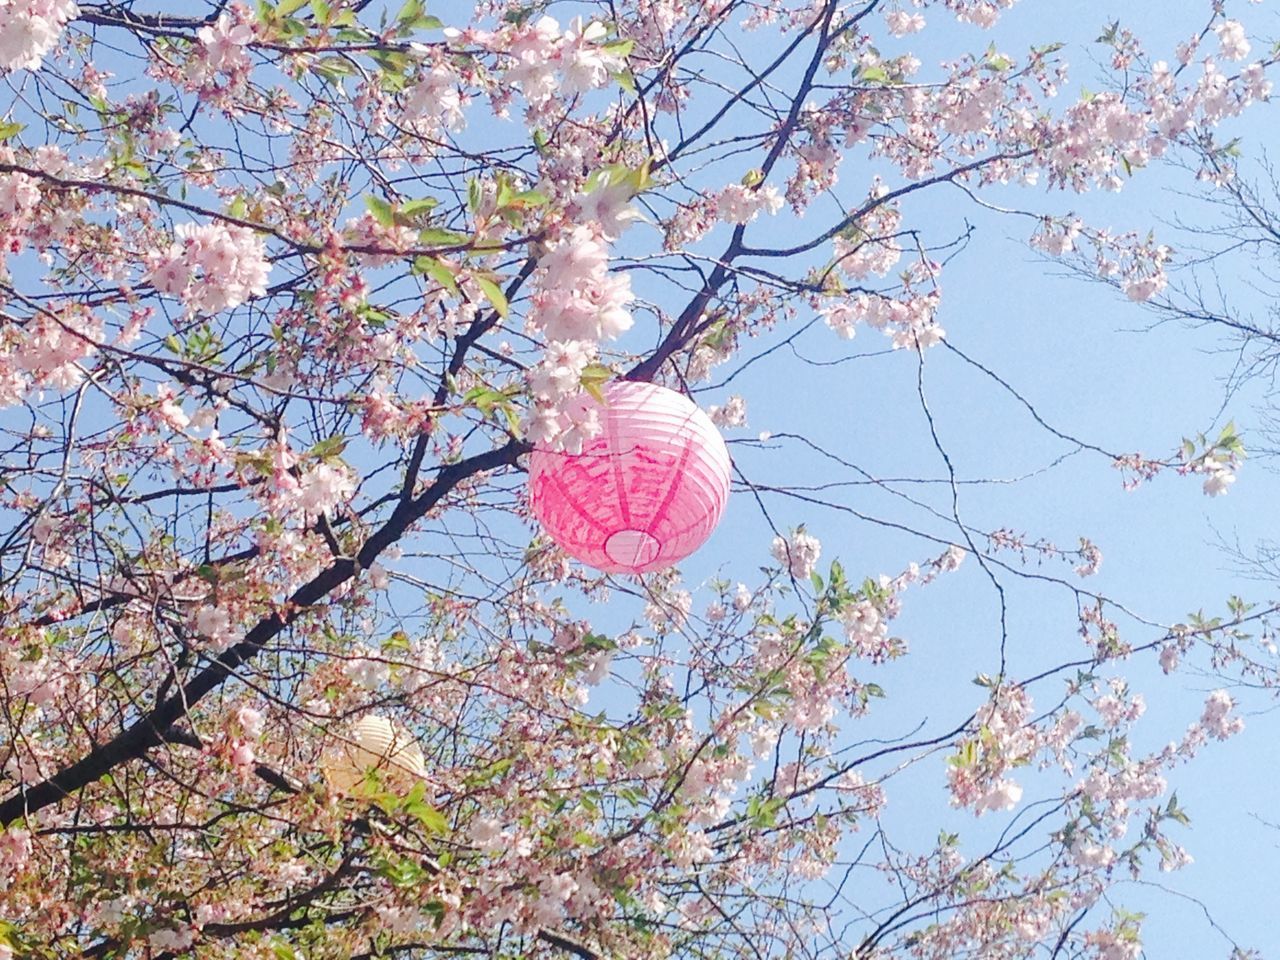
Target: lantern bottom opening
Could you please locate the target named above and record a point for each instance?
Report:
(632, 548)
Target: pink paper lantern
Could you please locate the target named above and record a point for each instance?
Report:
(645, 493)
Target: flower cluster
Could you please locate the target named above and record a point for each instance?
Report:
(551, 63)
(578, 304)
(901, 23)
(909, 321)
(48, 352)
(579, 299)
(220, 49)
(981, 13)
(1231, 40)
(434, 102)
(732, 413)
(19, 195)
(798, 553)
(29, 29)
(1216, 719)
(216, 626)
(211, 267)
(1005, 738)
(740, 204)
(324, 487)
(368, 231)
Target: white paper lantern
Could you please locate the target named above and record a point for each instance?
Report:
(374, 747)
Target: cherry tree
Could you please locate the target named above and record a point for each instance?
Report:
(289, 293)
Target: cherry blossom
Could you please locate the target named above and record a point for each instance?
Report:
(741, 204)
(435, 102)
(798, 553)
(732, 413)
(1216, 718)
(1231, 37)
(211, 267)
(29, 29)
(902, 23)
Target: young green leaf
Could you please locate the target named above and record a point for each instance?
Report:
(494, 294)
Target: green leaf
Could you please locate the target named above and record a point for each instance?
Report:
(626, 80)
(620, 48)
(438, 237)
(598, 641)
(1175, 812)
(288, 8)
(435, 908)
(331, 447)
(412, 16)
(413, 207)
(484, 399)
(431, 818)
(967, 756)
(997, 61)
(410, 11)
(382, 211)
(11, 129)
(321, 10)
(438, 271)
(495, 295)
(415, 804)
(529, 198)
(593, 377)
(402, 873)
(333, 69)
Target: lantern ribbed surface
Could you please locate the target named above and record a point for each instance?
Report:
(376, 745)
(643, 494)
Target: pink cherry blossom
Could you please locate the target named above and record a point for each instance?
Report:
(29, 29)
(211, 267)
(740, 204)
(798, 553)
(902, 23)
(1231, 38)
(434, 102)
(324, 487)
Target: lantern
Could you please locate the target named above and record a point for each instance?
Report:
(375, 746)
(645, 492)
